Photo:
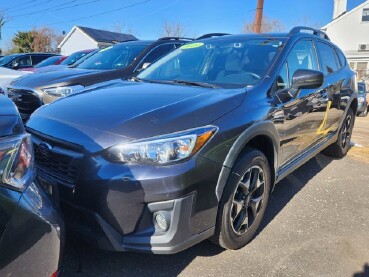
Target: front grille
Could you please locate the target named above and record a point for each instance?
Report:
(26, 101)
(60, 162)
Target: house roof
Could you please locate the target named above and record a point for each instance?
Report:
(344, 15)
(99, 35)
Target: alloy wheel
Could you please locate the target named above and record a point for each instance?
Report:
(247, 200)
(346, 131)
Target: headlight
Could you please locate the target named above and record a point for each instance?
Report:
(361, 100)
(162, 150)
(63, 91)
(16, 162)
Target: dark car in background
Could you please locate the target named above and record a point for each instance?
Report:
(122, 60)
(192, 149)
(363, 99)
(31, 230)
(54, 60)
(23, 60)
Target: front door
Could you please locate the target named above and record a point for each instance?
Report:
(303, 114)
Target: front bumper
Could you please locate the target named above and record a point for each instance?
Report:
(34, 238)
(112, 205)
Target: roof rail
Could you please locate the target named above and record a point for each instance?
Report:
(175, 38)
(301, 29)
(210, 35)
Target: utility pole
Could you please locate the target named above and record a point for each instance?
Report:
(258, 16)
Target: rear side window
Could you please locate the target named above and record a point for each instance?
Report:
(38, 58)
(328, 60)
(341, 58)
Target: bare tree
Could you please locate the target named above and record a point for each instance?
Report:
(2, 22)
(173, 30)
(267, 25)
(307, 22)
(120, 27)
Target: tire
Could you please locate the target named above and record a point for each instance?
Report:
(340, 148)
(245, 193)
(365, 112)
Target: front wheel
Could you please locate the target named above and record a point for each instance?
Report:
(244, 201)
(340, 148)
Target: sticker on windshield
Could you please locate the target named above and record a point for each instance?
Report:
(107, 48)
(192, 45)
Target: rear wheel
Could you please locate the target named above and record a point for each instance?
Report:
(365, 112)
(340, 148)
(244, 201)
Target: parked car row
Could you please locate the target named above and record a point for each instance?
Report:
(191, 143)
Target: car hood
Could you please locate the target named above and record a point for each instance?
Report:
(105, 117)
(48, 68)
(63, 77)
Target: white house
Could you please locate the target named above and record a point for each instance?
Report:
(350, 31)
(81, 38)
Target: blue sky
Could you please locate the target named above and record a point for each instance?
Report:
(146, 17)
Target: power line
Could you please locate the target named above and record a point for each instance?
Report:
(86, 17)
(17, 6)
(45, 10)
(59, 7)
(26, 8)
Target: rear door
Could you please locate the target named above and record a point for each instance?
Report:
(303, 114)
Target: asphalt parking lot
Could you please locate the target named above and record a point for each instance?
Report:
(317, 224)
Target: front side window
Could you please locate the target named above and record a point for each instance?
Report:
(327, 58)
(302, 56)
(113, 57)
(24, 61)
(231, 62)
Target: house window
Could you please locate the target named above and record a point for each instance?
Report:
(365, 17)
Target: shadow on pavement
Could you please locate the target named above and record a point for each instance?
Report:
(286, 189)
(84, 260)
(364, 273)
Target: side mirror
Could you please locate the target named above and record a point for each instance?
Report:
(307, 78)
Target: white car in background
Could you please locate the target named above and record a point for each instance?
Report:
(7, 75)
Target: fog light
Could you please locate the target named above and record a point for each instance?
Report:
(162, 221)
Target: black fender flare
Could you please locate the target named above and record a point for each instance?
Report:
(264, 128)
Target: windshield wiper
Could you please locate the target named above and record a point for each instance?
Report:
(193, 83)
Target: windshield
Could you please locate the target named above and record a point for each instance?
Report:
(48, 61)
(5, 60)
(235, 62)
(361, 88)
(74, 57)
(113, 57)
